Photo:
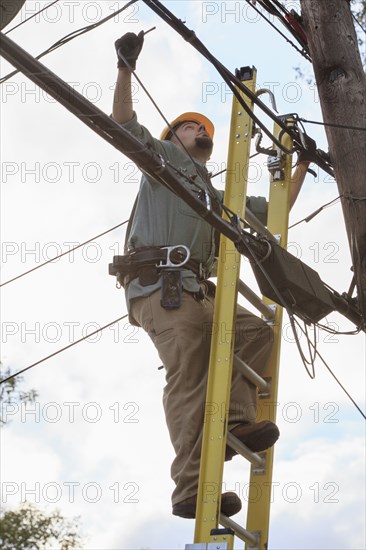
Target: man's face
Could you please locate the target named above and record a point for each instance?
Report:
(194, 135)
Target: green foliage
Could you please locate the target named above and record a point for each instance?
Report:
(29, 528)
(10, 393)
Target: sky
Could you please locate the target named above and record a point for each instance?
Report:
(95, 443)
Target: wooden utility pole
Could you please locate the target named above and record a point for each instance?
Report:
(8, 10)
(341, 85)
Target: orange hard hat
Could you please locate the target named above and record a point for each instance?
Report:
(194, 117)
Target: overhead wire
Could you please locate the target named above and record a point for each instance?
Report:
(326, 328)
(309, 217)
(231, 80)
(32, 16)
(302, 52)
(124, 222)
(345, 127)
(100, 329)
(305, 361)
(63, 254)
(334, 376)
(293, 320)
(358, 23)
(231, 215)
(71, 36)
(236, 85)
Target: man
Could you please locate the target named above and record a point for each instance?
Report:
(180, 333)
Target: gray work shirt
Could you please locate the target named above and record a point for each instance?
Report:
(163, 219)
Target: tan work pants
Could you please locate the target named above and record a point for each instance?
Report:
(182, 337)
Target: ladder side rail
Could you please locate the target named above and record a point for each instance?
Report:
(259, 499)
(222, 345)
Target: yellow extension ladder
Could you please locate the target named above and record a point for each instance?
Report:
(208, 534)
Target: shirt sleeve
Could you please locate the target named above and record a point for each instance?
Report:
(141, 133)
(259, 207)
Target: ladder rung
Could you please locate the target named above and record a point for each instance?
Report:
(247, 536)
(254, 222)
(257, 302)
(251, 375)
(235, 443)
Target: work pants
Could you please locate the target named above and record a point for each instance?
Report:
(182, 338)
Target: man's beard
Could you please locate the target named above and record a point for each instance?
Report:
(205, 143)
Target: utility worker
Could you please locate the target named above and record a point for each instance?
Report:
(182, 334)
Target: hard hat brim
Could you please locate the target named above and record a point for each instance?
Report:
(194, 117)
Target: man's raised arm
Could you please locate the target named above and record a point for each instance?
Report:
(128, 48)
(122, 101)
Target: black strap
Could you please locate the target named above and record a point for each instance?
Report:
(129, 225)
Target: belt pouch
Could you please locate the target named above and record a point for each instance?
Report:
(171, 289)
(148, 275)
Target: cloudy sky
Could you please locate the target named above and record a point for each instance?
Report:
(95, 443)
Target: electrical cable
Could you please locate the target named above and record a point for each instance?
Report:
(63, 254)
(31, 17)
(210, 188)
(62, 349)
(71, 36)
(228, 77)
(286, 129)
(280, 298)
(234, 83)
(316, 212)
(290, 20)
(358, 128)
(335, 378)
(338, 332)
(302, 52)
(305, 361)
(292, 322)
(357, 254)
(358, 23)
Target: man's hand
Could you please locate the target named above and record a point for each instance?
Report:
(129, 47)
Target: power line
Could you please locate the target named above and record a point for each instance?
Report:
(234, 83)
(339, 332)
(316, 212)
(62, 349)
(293, 320)
(358, 23)
(332, 125)
(71, 36)
(305, 361)
(31, 17)
(63, 253)
(73, 344)
(302, 52)
(332, 373)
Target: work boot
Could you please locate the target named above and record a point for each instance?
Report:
(256, 436)
(230, 505)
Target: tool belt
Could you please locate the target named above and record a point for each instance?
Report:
(148, 263)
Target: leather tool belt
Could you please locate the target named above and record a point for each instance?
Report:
(147, 264)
